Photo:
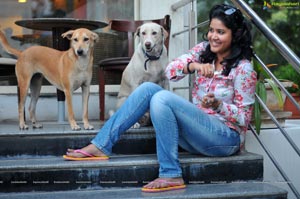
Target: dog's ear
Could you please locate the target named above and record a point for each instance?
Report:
(95, 37)
(165, 34)
(137, 32)
(68, 34)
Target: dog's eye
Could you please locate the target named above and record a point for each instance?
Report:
(143, 33)
(75, 39)
(86, 39)
(154, 33)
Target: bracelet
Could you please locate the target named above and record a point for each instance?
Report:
(188, 67)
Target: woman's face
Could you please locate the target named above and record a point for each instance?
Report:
(219, 37)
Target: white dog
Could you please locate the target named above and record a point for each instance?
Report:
(147, 64)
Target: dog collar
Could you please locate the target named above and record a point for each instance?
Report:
(150, 57)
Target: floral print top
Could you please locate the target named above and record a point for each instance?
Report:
(236, 91)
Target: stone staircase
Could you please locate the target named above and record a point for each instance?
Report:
(31, 166)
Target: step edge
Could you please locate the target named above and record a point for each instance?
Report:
(271, 191)
(119, 161)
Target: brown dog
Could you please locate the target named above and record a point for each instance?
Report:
(67, 70)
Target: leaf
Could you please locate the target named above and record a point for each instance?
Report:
(276, 91)
(262, 93)
(257, 117)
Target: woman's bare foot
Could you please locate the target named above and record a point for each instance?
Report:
(168, 183)
(90, 149)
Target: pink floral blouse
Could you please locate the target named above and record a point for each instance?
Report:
(235, 90)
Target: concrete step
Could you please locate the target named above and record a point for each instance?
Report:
(53, 139)
(245, 190)
(54, 173)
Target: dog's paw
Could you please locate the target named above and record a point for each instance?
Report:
(136, 126)
(23, 127)
(110, 113)
(75, 127)
(37, 125)
(88, 127)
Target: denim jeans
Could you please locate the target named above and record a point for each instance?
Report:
(177, 122)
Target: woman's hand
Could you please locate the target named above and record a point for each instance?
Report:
(207, 70)
(209, 101)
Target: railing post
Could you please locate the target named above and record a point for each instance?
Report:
(192, 42)
(180, 4)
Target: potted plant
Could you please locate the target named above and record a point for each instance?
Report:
(287, 72)
(270, 94)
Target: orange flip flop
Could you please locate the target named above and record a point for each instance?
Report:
(170, 186)
(88, 157)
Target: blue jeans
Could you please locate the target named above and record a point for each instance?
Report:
(176, 122)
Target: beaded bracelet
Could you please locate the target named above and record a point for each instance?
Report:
(188, 67)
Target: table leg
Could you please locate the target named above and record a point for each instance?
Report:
(60, 43)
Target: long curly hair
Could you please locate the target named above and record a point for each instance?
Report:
(241, 46)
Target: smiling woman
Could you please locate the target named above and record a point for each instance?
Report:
(220, 38)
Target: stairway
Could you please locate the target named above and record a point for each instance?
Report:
(31, 166)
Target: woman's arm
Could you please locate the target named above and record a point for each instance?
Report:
(177, 69)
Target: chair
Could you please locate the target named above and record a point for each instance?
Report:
(111, 69)
(8, 74)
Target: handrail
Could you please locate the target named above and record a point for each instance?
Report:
(200, 25)
(273, 159)
(283, 131)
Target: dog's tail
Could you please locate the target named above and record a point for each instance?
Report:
(7, 47)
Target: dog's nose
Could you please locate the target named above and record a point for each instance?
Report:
(148, 45)
(79, 52)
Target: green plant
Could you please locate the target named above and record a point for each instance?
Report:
(287, 72)
(262, 80)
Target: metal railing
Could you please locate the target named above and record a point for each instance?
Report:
(285, 51)
(292, 58)
(277, 165)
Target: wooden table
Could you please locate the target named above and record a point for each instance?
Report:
(58, 26)
(42, 40)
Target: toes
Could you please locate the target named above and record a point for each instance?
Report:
(70, 150)
(37, 125)
(136, 126)
(75, 127)
(23, 127)
(162, 183)
(152, 184)
(88, 127)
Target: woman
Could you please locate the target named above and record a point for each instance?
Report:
(215, 122)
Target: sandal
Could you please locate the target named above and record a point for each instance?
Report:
(169, 186)
(87, 157)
